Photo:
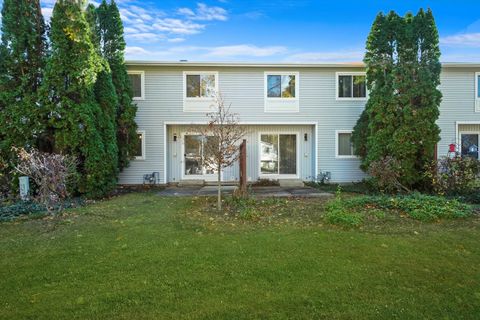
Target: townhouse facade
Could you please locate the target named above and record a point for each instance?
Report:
(298, 117)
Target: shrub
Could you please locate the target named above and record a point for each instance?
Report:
(416, 205)
(51, 174)
(385, 175)
(13, 211)
(455, 176)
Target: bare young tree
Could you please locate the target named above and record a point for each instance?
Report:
(50, 172)
(222, 135)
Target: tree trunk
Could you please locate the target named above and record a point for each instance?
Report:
(219, 200)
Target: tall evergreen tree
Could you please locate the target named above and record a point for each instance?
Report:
(22, 58)
(113, 50)
(106, 97)
(69, 88)
(400, 116)
(378, 121)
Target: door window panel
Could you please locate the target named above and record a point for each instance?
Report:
(470, 145)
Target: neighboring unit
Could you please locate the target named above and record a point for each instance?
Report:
(298, 117)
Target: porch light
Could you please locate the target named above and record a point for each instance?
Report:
(305, 136)
(174, 137)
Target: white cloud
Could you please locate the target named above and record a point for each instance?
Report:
(327, 56)
(204, 13)
(177, 26)
(205, 53)
(176, 40)
(462, 40)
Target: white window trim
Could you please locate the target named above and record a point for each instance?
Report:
(144, 150)
(357, 73)
(337, 156)
(142, 80)
(460, 133)
(280, 104)
(196, 73)
(278, 175)
(477, 98)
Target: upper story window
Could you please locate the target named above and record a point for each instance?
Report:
(281, 86)
(200, 84)
(137, 82)
(282, 91)
(351, 86)
(199, 90)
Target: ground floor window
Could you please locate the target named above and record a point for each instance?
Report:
(469, 144)
(278, 154)
(195, 154)
(140, 150)
(344, 145)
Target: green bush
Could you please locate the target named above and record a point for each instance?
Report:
(352, 211)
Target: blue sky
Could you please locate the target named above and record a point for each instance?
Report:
(280, 30)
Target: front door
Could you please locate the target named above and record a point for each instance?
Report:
(194, 158)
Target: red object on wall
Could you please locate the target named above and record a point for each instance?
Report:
(451, 147)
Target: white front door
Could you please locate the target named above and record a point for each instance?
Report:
(193, 158)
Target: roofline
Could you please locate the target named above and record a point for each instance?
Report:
(275, 64)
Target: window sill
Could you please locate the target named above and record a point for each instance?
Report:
(139, 159)
(347, 157)
(138, 98)
(351, 99)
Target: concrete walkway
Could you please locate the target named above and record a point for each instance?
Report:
(260, 192)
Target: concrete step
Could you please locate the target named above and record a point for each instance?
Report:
(191, 183)
(290, 183)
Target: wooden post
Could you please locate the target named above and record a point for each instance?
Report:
(243, 167)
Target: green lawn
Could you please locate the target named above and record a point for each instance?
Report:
(141, 256)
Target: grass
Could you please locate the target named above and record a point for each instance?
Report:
(140, 256)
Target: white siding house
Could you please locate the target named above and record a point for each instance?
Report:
(298, 117)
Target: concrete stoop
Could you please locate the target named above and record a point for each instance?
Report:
(191, 183)
(291, 183)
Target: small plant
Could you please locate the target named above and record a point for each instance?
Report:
(337, 213)
(51, 174)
